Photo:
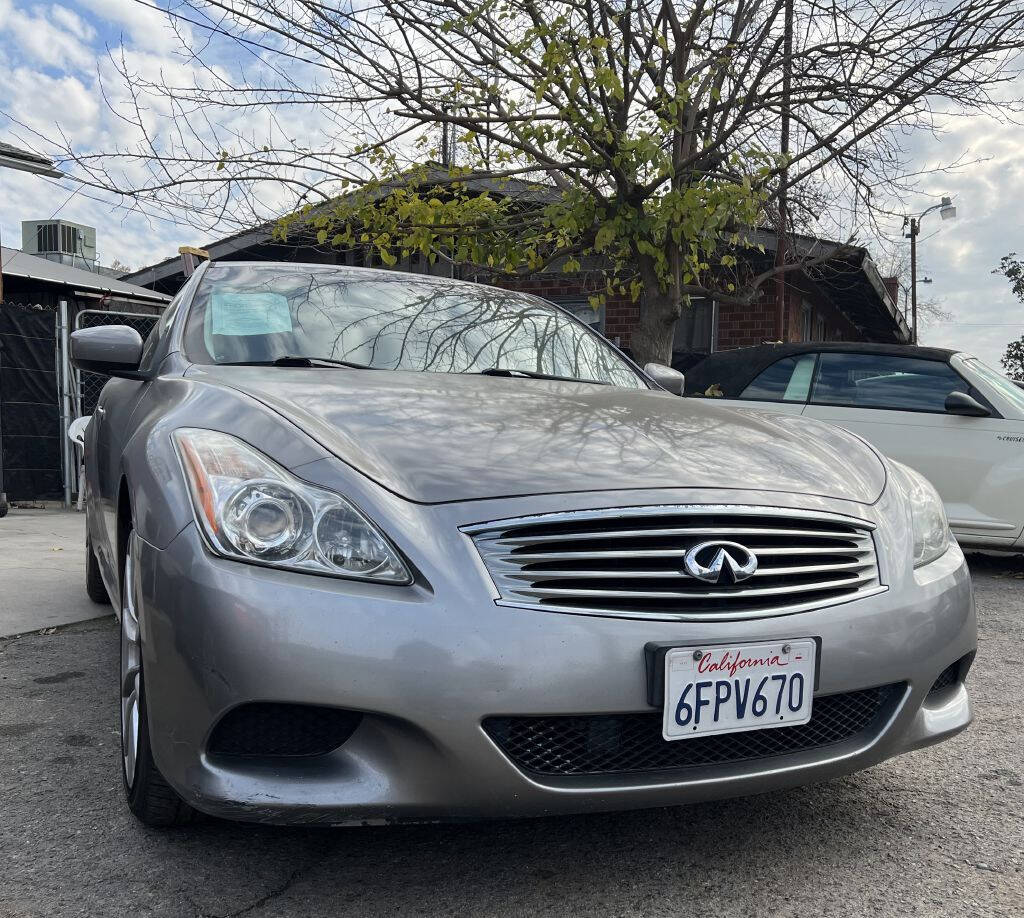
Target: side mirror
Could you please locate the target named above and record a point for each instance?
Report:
(669, 379)
(963, 404)
(111, 349)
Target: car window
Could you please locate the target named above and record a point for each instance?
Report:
(389, 321)
(882, 381)
(159, 329)
(786, 380)
(1006, 387)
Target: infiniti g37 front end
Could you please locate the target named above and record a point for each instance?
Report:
(320, 699)
(390, 548)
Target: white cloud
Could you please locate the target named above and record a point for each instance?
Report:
(55, 54)
(146, 28)
(960, 255)
(52, 37)
(41, 101)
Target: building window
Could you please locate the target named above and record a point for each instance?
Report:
(581, 308)
(695, 328)
(806, 321)
(819, 328)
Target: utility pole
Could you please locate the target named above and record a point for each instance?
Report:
(915, 228)
(780, 242)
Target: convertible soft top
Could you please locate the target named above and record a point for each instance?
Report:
(733, 370)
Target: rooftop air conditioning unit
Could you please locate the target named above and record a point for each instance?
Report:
(60, 240)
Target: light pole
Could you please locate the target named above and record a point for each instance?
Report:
(947, 211)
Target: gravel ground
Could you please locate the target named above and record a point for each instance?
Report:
(938, 832)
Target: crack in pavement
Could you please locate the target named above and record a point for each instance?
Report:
(263, 900)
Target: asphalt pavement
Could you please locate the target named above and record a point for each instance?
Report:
(935, 833)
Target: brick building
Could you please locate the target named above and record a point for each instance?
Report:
(837, 294)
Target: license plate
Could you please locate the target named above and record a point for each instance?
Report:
(736, 687)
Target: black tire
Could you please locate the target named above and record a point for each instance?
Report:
(94, 587)
(4, 507)
(150, 798)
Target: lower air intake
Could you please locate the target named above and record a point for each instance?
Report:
(949, 676)
(272, 729)
(608, 744)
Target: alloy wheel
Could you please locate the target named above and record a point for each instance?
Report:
(131, 663)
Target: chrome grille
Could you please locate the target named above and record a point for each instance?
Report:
(629, 561)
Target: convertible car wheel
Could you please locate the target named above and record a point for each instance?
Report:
(94, 587)
(150, 797)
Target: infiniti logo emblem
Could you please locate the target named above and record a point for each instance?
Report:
(720, 562)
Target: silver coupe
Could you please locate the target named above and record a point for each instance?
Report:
(389, 547)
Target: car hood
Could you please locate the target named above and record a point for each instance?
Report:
(438, 437)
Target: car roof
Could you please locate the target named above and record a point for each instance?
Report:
(733, 370)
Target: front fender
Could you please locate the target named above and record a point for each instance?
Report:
(161, 505)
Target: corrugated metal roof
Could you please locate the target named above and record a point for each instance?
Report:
(16, 263)
(18, 153)
(12, 157)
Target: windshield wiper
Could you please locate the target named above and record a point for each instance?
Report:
(290, 360)
(533, 374)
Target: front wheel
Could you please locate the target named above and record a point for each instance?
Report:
(150, 798)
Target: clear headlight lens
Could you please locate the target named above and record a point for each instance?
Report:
(931, 529)
(252, 509)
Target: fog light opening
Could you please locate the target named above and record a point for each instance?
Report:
(273, 730)
(952, 675)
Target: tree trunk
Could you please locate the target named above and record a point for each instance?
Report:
(651, 341)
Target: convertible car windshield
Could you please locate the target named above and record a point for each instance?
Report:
(261, 314)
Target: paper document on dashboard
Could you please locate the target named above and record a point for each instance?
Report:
(243, 313)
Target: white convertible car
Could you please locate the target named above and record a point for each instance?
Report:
(947, 414)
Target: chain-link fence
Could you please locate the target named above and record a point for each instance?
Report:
(90, 384)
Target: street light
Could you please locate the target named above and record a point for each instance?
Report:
(947, 210)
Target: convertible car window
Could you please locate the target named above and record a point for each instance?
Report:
(880, 381)
(1006, 387)
(786, 380)
(258, 314)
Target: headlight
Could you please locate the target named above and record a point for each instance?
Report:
(252, 509)
(931, 529)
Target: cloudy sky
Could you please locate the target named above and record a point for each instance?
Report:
(56, 55)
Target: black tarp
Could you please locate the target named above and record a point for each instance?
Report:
(29, 410)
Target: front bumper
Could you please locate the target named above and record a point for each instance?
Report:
(428, 665)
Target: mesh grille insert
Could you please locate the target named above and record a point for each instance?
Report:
(272, 729)
(621, 743)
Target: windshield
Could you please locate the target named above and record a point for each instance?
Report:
(262, 313)
(1004, 386)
